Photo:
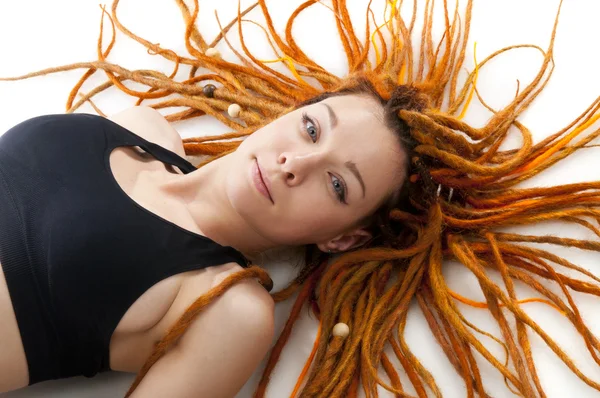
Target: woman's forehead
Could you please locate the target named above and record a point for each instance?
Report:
(359, 124)
(356, 106)
(362, 137)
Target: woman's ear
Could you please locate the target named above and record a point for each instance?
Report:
(346, 241)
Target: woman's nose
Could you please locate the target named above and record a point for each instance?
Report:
(296, 166)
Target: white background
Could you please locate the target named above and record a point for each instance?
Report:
(36, 34)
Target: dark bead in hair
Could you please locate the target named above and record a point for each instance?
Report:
(209, 90)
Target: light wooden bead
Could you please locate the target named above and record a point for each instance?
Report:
(212, 52)
(234, 110)
(341, 330)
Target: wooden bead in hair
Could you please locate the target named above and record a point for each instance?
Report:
(234, 110)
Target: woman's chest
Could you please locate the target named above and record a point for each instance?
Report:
(151, 306)
(138, 330)
(154, 313)
(142, 180)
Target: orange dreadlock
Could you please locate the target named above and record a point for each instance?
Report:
(463, 190)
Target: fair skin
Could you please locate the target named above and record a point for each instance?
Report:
(328, 164)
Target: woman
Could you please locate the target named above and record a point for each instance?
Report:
(302, 179)
(443, 188)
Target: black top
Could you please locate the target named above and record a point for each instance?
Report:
(90, 250)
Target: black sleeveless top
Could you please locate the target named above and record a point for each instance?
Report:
(76, 250)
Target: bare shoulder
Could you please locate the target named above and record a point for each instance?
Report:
(247, 295)
(246, 304)
(223, 344)
(151, 125)
(246, 307)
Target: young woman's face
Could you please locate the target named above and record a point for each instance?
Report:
(326, 166)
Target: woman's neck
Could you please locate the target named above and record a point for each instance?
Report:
(204, 195)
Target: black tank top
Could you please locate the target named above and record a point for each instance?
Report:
(89, 249)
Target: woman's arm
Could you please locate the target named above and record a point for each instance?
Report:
(220, 350)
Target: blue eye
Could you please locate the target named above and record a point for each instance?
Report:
(310, 127)
(339, 188)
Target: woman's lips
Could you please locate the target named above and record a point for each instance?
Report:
(261, 181)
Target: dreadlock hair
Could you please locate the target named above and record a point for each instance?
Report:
(461, 190)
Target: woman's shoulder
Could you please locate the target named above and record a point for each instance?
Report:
(151, 125)
(221, 346)
(246, 297)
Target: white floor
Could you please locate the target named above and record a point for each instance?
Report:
(36, 34)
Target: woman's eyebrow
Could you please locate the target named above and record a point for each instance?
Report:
(352, 167)
(333, 120)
